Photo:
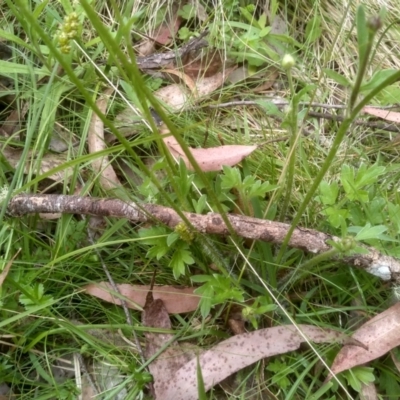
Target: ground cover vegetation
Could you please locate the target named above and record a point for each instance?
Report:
(199, 200)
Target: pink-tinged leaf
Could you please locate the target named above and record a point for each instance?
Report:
(384, 114)
(166, 31)
(177, 300)
(213, 158)
(379, 335)
(236, 353)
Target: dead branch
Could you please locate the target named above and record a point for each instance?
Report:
(159, 60)
(385, 267)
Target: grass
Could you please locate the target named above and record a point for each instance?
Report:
(44, 315)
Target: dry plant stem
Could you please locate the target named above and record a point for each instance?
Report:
(282, 103)
(116, 290)
(384, 267)
(87, 374)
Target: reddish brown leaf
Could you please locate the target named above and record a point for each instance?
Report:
(177, 300)
(166, 31)
(384, 114)
(204, 65)
(379, 335)
(237, 353)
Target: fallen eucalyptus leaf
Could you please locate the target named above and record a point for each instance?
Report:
(177, 300)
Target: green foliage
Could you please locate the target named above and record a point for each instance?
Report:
(356, 376)
(33, 295)
(161, 243)
(357, 203)
(252, 40)
(279, 370)
(42, 295)
(216, 290)
(260, 307)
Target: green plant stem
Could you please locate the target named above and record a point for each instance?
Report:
(361, 71)
(292, 151)
(343, 129)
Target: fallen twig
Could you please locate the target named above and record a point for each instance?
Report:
(314, 114)
(384, 267)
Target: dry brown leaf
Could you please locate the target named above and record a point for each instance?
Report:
(206, 86)
(186, 79)
(379, 335)
(163, 368)
(177, 300)
(368, 391)
(238, 352)
(166, 31)
(384, 114)
(211, 159)
(6, 269)
(108, 178)
(177, 96)
(205, 65)
(48, 162)
(145, 47)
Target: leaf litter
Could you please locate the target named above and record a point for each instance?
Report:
(177, 300)
(238, 352)
(170, 356)
(211, 159)
(379, 335)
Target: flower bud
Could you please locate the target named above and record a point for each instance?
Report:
(288, 61)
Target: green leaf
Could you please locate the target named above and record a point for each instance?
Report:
(368, 231)
(180, 259)
(201, 389)
(264, 31)
(187, 12)
(200, 278)
(270, 108)
(231, 178)
(338, 78)
(377, 78)
(329, 192)
(200, 205)
(336, 217)
(172, 238)
(262, 22)
(9, 68)
(250, 17)
(206, 293)
(184, 33)
(313, 29)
